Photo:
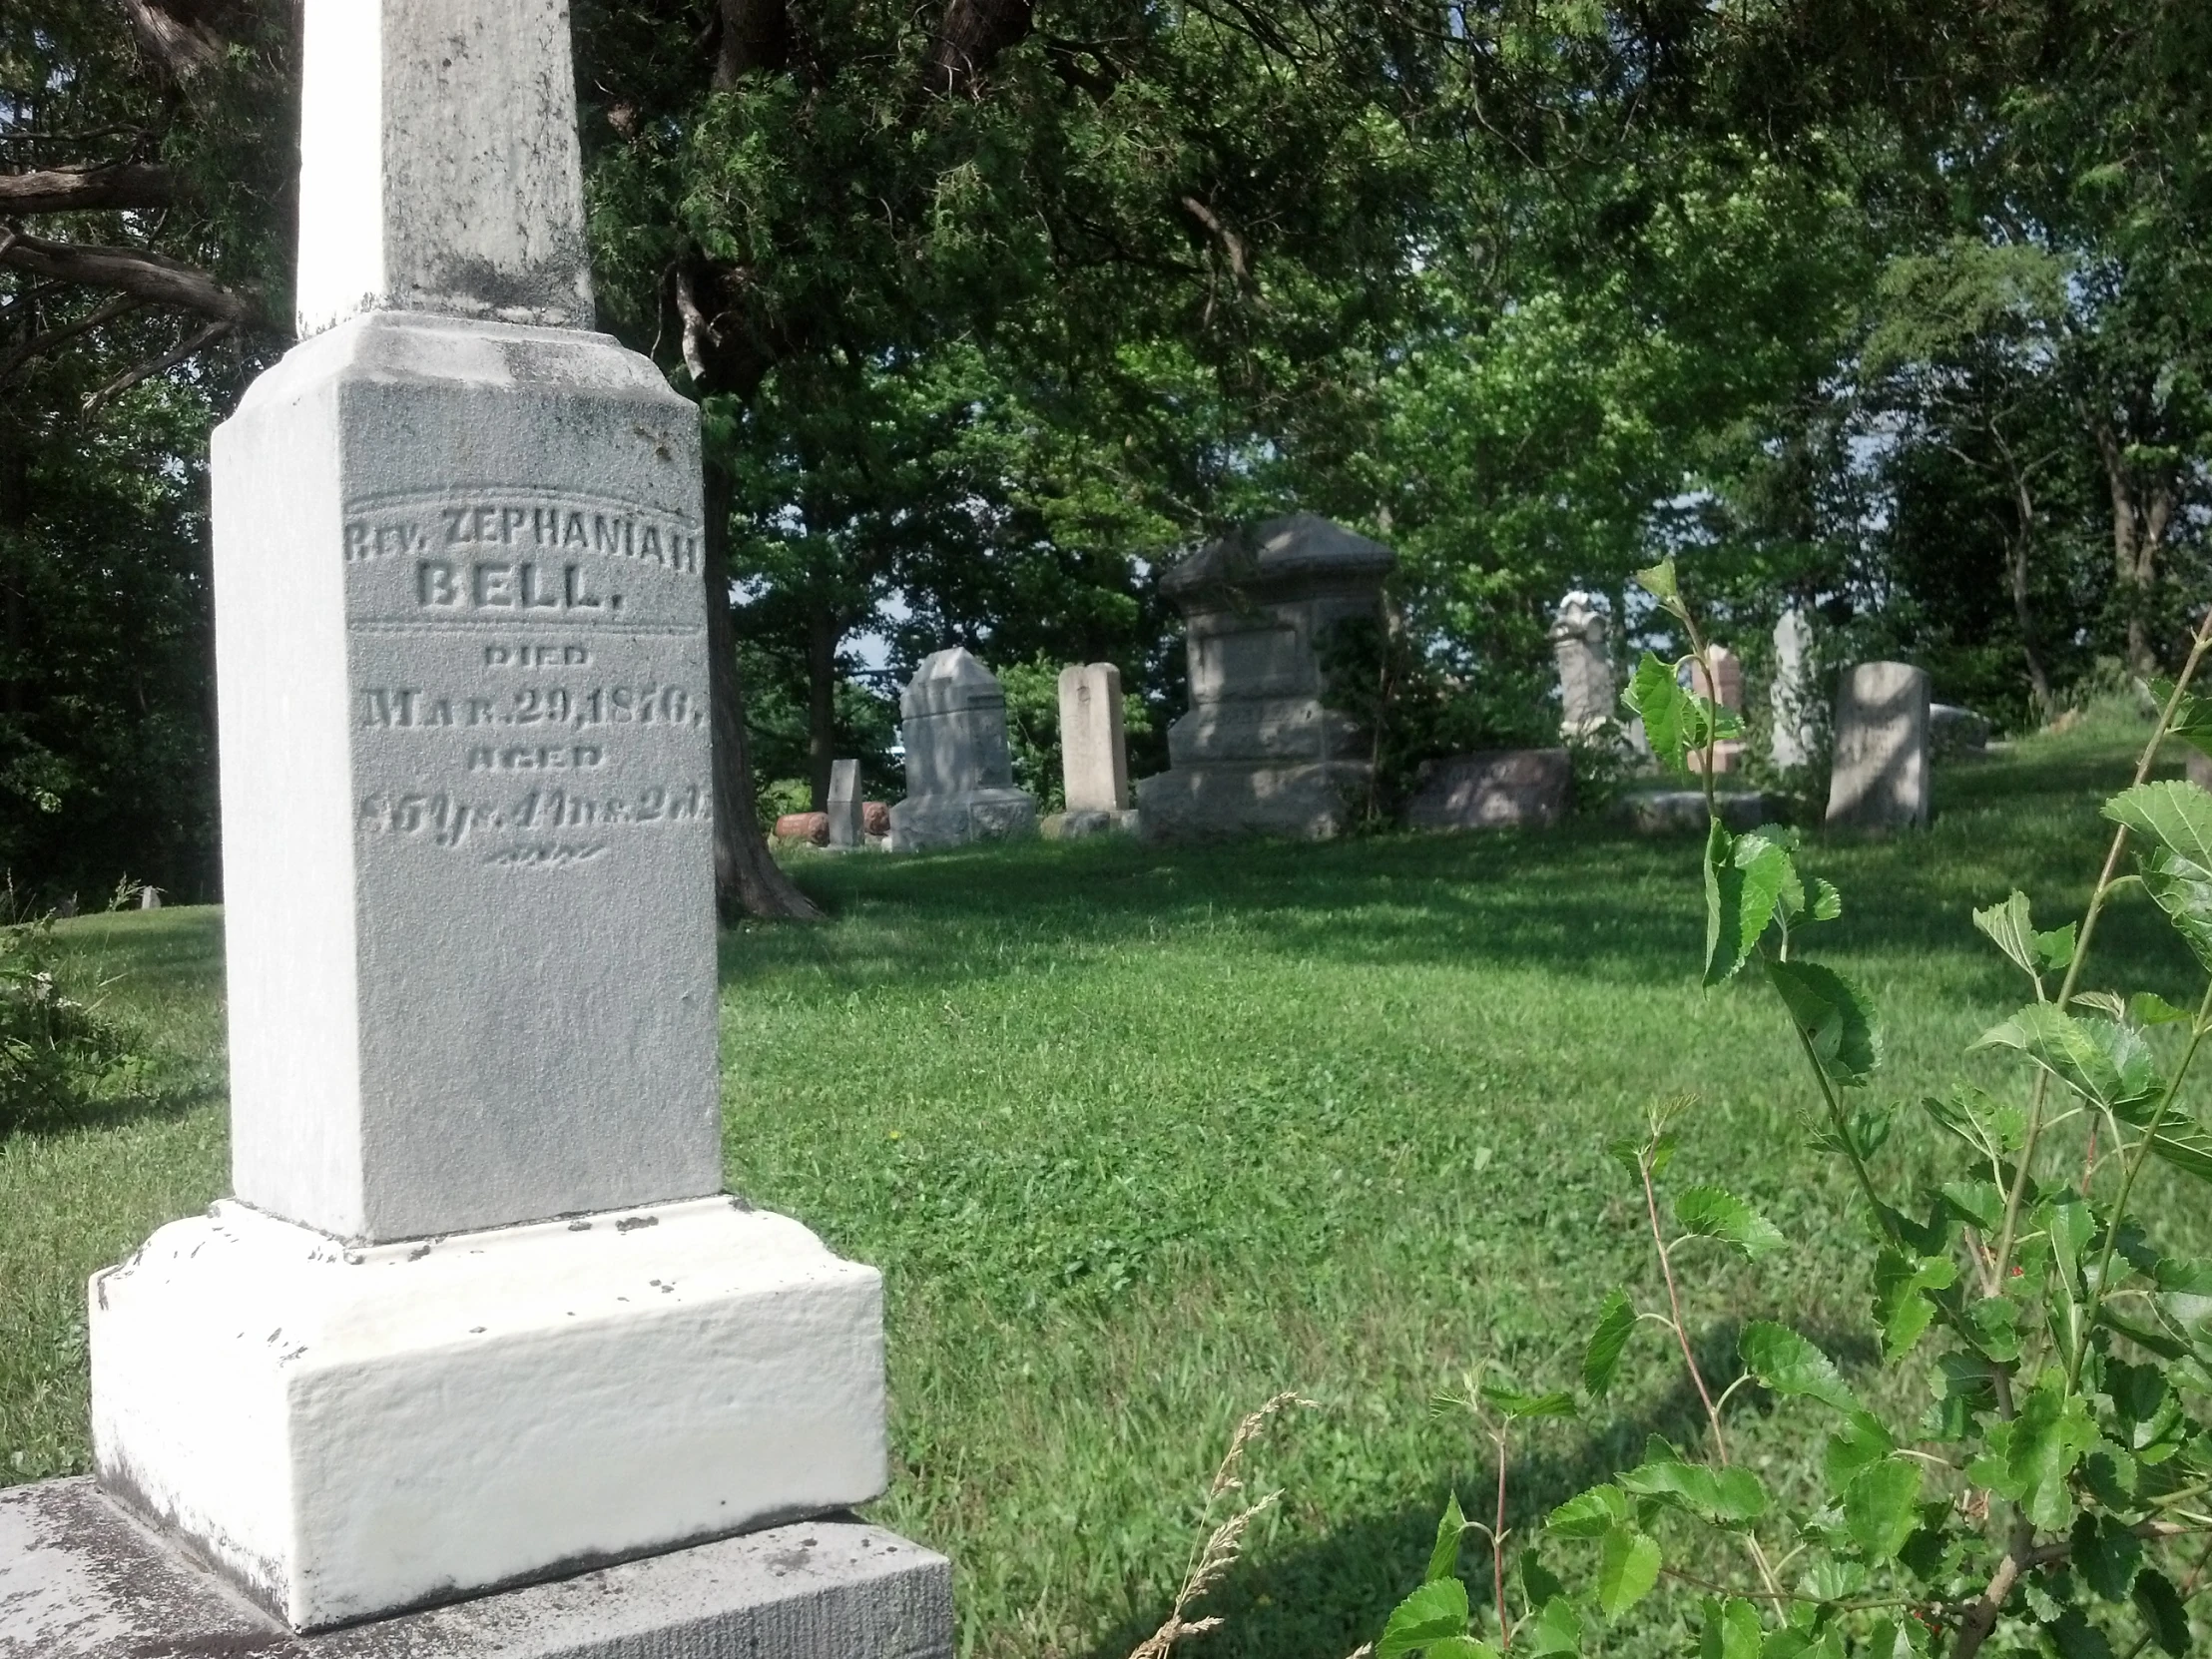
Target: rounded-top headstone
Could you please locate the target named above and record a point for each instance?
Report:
(1275, 558)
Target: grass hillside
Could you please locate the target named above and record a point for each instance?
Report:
(1140, 1137)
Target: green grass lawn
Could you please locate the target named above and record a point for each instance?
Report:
(1140, 1137)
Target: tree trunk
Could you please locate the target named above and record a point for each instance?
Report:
(2142, 513)
(822, 700)
(748, 881)
(2023, 538)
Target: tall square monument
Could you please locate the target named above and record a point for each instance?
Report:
(479, 1314)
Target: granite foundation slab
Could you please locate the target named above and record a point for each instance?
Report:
(1669, 812)
(81, 1578)
(1503, 788)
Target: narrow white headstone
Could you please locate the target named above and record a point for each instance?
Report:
(483, 1317)
(845, 825)
(1792, 693)
(1094, 760)
(1579, 634)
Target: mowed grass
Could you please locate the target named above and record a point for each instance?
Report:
(1140, 1137)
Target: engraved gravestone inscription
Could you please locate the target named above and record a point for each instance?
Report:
(520, 699)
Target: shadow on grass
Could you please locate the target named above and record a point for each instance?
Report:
(1588, 900)
(1321, 1599)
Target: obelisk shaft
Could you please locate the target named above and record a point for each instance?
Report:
(439, 169)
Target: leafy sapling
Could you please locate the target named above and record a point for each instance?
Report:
(2056, 1493)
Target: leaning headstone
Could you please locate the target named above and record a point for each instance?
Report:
(959, 774)
(847, 827)
(1260, 751)
(1506, 788)
(1880, 779)
(480, 1314)
(149, 899)
(1094, 760)
(1792, 695)
(1586, 698)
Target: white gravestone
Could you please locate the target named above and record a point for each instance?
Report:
(1792, 696)
(1094, 759)
(1586, 700)
(1880, 777)
(846, 825)
(480, 1314)
(959, 774)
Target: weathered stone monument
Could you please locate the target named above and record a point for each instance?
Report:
(959, 776)
(1725, 690)
(1586, 695)
(1792, 696)
(1094, 759)
(1503, 788)
(1880, 777)
(847, 827)
(1258, 752)
(480, 1315)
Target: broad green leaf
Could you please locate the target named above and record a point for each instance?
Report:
(1980, 1202)
(2176, 815)
(1787, 1364)
(2010, 928)
(2072, 1636)
(1459, 1647)
(1443, 1561)
(1991, 1127)
(1833, 1578)
(1861, 1440)
(2108, 1003)
(2106, 1555)
(1732, 1630)
(2066, 1221)
(2031, 1456)
(2185, 1294)
(1538, 1582)
(1659, 581)
(1433, 1613)
(1725, 1497)
(1835, 1018)
(1827, 903)
(1601, 1359)
(1710, 1212)
(2055, 949)
(1554, 1628)
(2184, 891)
(2162, 1610)
(1901, 1304)
(1628, 1567)
(2149, 1008)
(2100, 1059)
(1744, 876)
(1589, 1514)
(1665, 709)
(1879, 1506)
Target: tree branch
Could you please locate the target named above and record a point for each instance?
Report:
(105, 312)
(970, 39)
(62, 190)
(154, 277)
(167, 361)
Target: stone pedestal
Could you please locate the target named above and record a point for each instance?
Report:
(1880, 774)
(959, 776)
(80, 1579)
(1258, 752)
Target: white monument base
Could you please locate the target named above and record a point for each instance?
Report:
(346, 1432)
